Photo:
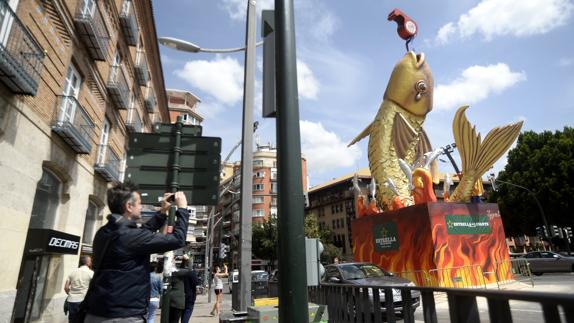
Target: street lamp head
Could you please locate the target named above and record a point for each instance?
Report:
(179, 44)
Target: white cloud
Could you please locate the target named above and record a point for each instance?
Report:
(492, 18)
(237, 9)
(324, 150)
(325, 26)
(306, 81)
(221, 77)
(566, 61)
(475, 84)
(210, 109)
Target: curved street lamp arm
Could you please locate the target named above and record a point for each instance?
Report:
(226, 50)
(533, 195)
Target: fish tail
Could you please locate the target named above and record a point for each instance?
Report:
(478, 156)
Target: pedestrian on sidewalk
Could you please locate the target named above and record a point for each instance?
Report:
(190, 281)
(76, 286)
(120, 289)
(155, 291)
(218, 288)
(176, 295)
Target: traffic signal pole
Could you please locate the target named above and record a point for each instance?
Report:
(293, 306)
(168, 256)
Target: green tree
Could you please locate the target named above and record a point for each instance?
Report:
(543, 163)
(265, 240)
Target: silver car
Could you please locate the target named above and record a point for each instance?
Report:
(362, 273)
(548, 262)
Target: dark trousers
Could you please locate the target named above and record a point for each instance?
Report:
(187, 313)
(174, 314)
(73, 311)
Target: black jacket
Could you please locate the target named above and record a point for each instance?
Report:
(121, 285)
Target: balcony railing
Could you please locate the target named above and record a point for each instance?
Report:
(20, 56)
(108, 164)
(150, 101)
(72, 123)
(129, 22)
(142, 73)
(92, 30)
(134, 122)
(118, 87)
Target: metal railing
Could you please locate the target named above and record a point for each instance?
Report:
(513, 270)
(20, 55)
(129, 22)
(142, 73)
(108, 163)
(354, 303)
(458, 277)
(118, 87)
(72, 123)
(134, 122)
(91, 29)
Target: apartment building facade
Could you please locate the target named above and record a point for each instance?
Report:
(264, 199)
(76, 77)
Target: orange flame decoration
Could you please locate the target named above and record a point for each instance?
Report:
(427, 253)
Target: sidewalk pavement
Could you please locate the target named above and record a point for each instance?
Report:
(202, 309)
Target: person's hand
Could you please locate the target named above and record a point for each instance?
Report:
(165, 205)
(180, 200)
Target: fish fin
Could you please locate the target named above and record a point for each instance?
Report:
(424, 145)
(478, 156)
(403, 135)
(362, 135)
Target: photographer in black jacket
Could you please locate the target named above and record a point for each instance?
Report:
(121, 286)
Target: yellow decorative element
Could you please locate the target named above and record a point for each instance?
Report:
(478, 156)
(271, 301)
(397, 129)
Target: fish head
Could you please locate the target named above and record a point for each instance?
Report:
(411, 84)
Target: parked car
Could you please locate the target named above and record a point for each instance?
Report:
(548, 262)
(369, 274)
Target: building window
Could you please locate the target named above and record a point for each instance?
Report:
(90, 224)
(258, 213)
(273, 212)
(258, 162)
(46, 201)
(334, 223)
(274, 175)
(260, 174)
(273, 187)
(257, 199)
(258, 187)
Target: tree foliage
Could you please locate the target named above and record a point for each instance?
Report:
(543, 163)
(265, 239)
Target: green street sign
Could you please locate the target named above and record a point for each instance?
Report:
(165, 142)
(150, 160)
(170, 128)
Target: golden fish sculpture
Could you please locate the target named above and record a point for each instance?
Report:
(478, 156)
(397, 131)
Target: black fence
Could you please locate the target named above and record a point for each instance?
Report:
(352, 303)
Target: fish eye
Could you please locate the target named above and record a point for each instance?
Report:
(421, 86)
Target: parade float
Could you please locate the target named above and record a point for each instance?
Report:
(400, 226)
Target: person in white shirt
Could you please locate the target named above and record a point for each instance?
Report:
(77, 286)
(218, 288)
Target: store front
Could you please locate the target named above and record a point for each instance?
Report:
(42, 246)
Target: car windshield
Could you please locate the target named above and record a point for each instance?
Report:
(352, 272)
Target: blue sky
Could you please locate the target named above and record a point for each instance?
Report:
(509, 60)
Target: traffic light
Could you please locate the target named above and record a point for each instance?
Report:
(555, 231)
(315, 270)
(223, 249)
(568, 232)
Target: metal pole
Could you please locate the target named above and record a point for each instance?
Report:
(247, 162)
(168, 256)
(293, 305)
(208, 258)
(542, 214)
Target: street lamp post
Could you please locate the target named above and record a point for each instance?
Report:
(247, 147)
(495, 180)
